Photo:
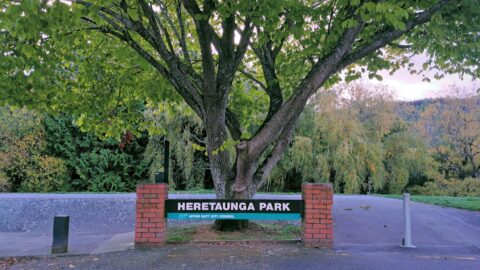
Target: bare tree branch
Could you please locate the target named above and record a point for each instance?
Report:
(233, 125)
(245, 36)
(267, 58)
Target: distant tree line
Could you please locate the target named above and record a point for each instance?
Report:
(362, 141)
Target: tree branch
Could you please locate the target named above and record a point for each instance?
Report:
(388, 36)
(252, 78)
(284, 140)
(267, 58)
(319, 73)
(245, 36)
(183, 42)
(206, 37)
(233, 125)
(176, 75)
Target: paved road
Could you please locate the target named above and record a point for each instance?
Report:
(256, 256)
(366, 227)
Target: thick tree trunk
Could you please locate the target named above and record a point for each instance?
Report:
(220, 167)
(240, 187)
(250, 175)
(216, 131)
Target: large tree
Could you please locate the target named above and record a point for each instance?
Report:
(452, 128)
(84, 57)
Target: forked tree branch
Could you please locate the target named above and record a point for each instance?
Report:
(388, 36)
(341, 57)
(281, 144)
(184, 81)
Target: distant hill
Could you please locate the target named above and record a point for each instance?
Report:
(410, 110)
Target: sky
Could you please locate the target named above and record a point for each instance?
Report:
(407, 87)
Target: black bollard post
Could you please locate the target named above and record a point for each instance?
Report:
(166, 159)
(159, 177)
(60, 234)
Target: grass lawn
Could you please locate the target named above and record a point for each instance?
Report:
(211, 191)
(255, 231)
(468, 203)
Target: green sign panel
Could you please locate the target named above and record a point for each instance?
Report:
(234, 209)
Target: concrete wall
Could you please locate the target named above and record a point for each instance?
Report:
(89, 213)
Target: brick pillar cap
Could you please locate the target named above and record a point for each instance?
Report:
(152, 185)
(327, 186)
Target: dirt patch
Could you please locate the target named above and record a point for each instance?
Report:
(253, 232)
(5, 263)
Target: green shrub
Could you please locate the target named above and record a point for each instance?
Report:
(25, 165)
(94, 164)
(106, 170)
(470, 187)
(46, 174)
(4, 184)
(451, 187)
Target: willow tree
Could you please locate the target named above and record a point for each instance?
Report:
(72, 55)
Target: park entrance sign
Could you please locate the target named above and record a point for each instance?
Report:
(154, 208)
(234, 209)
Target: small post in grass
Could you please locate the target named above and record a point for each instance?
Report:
(159, 177)
(162, 177)
(407, 234)
(166, 159)
(60, 234)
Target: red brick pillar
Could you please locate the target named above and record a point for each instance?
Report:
(150, 223)
(317, 227)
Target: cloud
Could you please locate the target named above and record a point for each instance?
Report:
(408, 86)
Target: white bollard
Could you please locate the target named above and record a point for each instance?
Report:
(407, 234)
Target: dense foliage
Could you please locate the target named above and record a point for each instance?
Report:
(45, 153)
(452, 129)
(369, 143)
(357, 143)
(25, 162)
(93, 164)
(354, 136)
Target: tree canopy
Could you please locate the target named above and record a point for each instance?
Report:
(107, 62)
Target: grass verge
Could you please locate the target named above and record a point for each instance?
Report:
(468, 203)
(211, 191)
(254, 232)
